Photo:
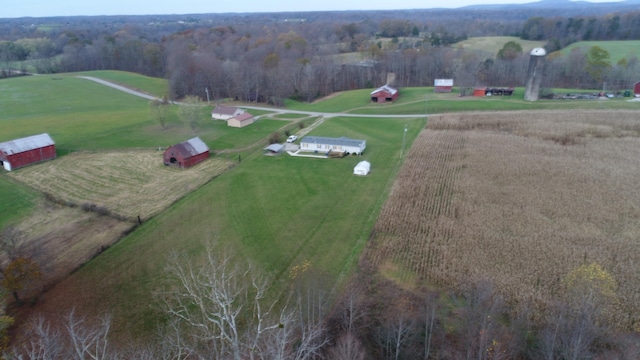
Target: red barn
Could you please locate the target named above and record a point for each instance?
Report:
(186, 154)
(384, 94)
(17, 153)
(443, 85)
(636, 89)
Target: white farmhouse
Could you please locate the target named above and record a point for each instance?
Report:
(222, 112)
(336, 145)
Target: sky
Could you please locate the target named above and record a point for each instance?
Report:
(45, 8)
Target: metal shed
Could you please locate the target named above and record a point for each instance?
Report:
(18, 153)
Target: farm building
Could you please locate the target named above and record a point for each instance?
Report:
(384, 94)
(273, 149)
(241, 120)
(636, 89)
(362, 168)
(492, 91)
(186, 154)
(443, 85)
(221, 112)
(337, 145)
(18, 153)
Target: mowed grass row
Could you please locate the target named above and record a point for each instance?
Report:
(275, 211)
(126, 183)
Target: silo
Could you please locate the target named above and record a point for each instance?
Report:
(534, 75)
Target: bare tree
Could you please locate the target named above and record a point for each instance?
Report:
(189, 112)
(160, 111)
(220, 309)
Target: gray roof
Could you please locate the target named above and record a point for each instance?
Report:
(198, 145)
(343, 141)
(226, 110)
(26, 144)
(274, 147)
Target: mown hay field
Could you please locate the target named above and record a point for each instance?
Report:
(127, 184)
(519, 199)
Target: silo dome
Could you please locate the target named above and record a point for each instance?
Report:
(538, 52)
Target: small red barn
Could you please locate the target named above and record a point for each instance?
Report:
(384, 94)
(443, 85)
(186, 154)
(17, 153)
(480, 91)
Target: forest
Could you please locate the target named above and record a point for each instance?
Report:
(271, 57)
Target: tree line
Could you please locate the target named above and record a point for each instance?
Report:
(268, 59)
(222, 308)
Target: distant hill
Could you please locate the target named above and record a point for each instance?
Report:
(562, 7)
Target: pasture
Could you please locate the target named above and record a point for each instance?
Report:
(492, 44)
(618, 50)
(520, 200)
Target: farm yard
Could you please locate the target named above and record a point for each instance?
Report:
(521, 200)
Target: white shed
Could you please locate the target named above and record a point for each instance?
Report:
(362, 168)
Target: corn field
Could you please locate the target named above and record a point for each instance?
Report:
(520, 199)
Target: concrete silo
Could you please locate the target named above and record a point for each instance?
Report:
(534, 75)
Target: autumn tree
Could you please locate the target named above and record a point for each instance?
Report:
(598, 63)
(510, 51)
(19, 271)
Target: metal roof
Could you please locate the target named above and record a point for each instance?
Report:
(385, 88)
(191, 147)
(443, 82)
(343, 141)
(26, 144)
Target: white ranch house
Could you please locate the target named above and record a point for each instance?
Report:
(326, 144)
(222, 112)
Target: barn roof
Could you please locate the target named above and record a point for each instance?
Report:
(25, 144)
(191, 147)
(385, 88)
(443, 82)
(224, 110)
(342, 141)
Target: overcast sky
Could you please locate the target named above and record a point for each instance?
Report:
(42, 8)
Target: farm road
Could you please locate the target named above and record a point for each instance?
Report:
(277, 110)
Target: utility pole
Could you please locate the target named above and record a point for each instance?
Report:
(207, 91)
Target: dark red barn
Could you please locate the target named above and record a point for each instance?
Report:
(17, 153)
(384, 94)
(186, 154)
(636, 89)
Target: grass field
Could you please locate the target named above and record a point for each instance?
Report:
(492, 44)
(618, 50)
(154, 86)
(520, 200)
(277, 211)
